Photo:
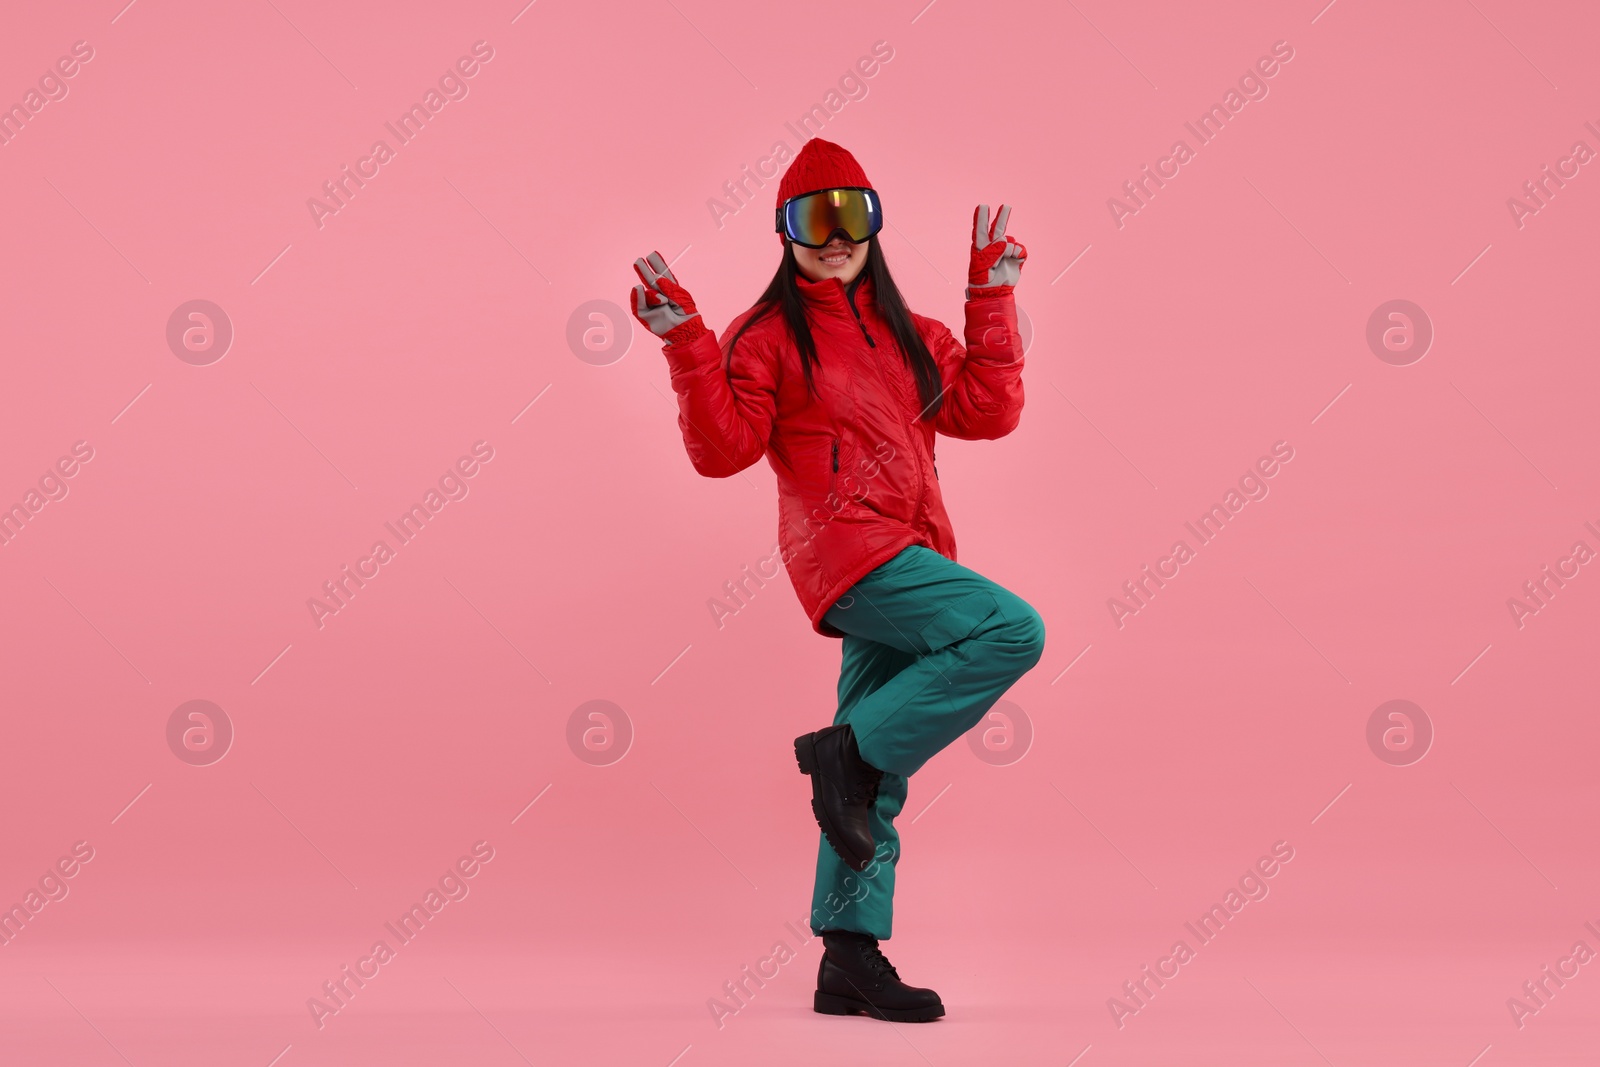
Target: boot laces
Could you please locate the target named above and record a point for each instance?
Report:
(866, 784)
(874, 958)
(866, 787)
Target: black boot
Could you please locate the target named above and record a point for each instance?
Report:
(843, 789)
(854, 977)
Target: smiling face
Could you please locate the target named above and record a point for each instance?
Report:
(839, 259)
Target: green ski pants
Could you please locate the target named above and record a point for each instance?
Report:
(929, 647)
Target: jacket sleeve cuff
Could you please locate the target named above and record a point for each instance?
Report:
(687, 355)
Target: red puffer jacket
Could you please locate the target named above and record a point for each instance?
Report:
(855, 464)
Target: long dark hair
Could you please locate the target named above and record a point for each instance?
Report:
(783, 294)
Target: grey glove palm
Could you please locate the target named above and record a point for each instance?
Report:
(665, 307)
(996, 259)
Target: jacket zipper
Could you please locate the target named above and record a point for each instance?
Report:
(911, 430)
(836, 455)
(850, 298)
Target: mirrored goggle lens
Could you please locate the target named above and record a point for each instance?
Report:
(811, 220)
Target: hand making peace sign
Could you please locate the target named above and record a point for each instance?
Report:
(996, 259)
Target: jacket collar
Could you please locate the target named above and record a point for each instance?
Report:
(831, 294)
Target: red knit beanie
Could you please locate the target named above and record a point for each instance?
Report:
(820, 165)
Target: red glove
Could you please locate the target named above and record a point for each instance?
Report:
(665, 307)
(996, 259)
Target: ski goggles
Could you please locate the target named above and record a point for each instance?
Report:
(811, 220)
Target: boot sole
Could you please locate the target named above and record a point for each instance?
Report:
(805, 754)
(829, 1004)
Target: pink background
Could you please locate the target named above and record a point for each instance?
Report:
(1228, 314)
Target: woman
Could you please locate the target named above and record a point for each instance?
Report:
(843, 389)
